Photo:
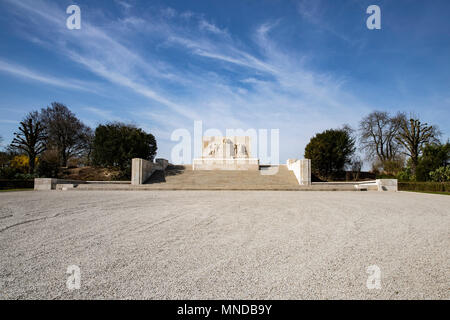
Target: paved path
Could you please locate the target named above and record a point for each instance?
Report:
(224, 244)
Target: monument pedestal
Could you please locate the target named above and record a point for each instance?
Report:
(225, 164)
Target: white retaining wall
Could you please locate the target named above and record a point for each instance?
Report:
(142, 169)
(301, 169)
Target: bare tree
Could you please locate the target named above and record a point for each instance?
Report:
(30, 138)
(378, 132)
(87, 145)
(2, 155)
(413, 135)
(65, 132)
(356, 166)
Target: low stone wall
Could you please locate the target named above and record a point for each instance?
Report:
(378, 185)
(301, 169)
(50, 183)
(387, 184)
(225, 164)
(142, 169)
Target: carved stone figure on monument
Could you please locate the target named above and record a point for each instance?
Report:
(242, 151)
(226, 149)
(226, 153)
(212, 151)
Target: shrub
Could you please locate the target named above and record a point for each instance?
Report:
(405, 174)
(441, 174)
(385, 176)
(25, 176)
(16, 184)
(424, 186)
(393, 167)
(434, 156)
(5, 158)
(330, 151)
(20, 163)
(48, 165)
(8, 173)
(115, 144)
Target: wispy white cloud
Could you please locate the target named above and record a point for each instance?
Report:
(123, 4)
(23, 72)
(103, 114)
(168, 12)
(205, 25)
(119, 78)
(313, 12)
(269, 88)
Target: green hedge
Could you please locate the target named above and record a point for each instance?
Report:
(16, 184)
(424, 186)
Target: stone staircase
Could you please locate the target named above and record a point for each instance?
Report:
(184, 178)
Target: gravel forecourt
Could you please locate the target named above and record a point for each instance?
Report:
(224, 244)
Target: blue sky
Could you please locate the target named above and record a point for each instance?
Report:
(297, 66)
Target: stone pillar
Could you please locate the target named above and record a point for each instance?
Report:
(301, 169)
(141, 170)
(305, 172)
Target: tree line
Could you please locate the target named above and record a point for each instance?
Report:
(394, 145)
(49, 139)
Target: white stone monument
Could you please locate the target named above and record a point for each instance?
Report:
(226, 153)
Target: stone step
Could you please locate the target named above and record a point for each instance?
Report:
(144, 187)
(184, 178)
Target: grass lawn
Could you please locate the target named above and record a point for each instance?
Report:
(12, 190)
(433, 192)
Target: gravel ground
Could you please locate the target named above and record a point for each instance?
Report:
(224, 244)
